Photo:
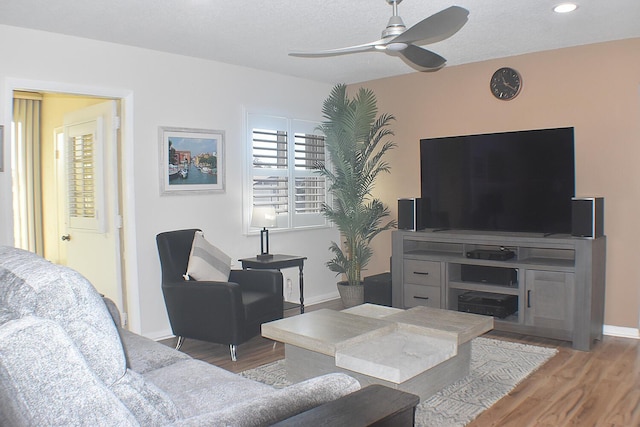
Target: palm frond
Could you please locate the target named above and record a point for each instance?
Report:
(357, 141)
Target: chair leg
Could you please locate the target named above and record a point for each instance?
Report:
(234, 354)
(179, 343)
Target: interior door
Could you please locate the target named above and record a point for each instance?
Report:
(550, 297)
(91, 222)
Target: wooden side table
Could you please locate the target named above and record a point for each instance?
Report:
(277, 262)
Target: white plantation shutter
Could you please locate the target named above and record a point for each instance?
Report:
(310, 191)
(82, 201)
(85, 206)
(283, 157)
(270, 169)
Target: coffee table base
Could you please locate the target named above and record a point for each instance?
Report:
(303, 364)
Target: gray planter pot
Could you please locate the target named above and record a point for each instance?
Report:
(351, 295)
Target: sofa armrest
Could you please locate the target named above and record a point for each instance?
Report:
(258, 280)
(46, 380)
(113, 310)
(280, 404)
(375, 405)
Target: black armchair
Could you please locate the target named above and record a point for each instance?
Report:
(220, 312)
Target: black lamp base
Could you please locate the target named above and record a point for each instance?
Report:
(264, 245)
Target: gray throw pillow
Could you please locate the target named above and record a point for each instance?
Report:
(207, 262)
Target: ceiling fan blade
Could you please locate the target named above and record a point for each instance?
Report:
(341, 50)
(437, 27)
(422, 57)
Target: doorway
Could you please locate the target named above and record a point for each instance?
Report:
(63, 239)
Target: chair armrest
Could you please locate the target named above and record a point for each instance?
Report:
(258, 280)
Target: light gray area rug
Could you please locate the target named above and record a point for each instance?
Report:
(496, 368)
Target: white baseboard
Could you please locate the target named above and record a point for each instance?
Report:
(613, 331)
(160, 335)
(620, 331)
(320, 298)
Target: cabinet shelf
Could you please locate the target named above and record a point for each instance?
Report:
(432, 254)
(537, 262)
(483, 287)
(544, 263)
(541, 263)
(512, 319)
(509, 320)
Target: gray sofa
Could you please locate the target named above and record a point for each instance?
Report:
(64, 361)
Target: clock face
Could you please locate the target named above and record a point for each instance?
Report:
(505, 83)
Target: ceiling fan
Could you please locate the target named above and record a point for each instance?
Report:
(398, 40)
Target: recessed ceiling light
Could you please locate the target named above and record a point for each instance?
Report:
(565, 8)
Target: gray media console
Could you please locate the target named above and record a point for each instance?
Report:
(553, 286)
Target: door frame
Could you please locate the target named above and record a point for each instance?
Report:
(128, 242)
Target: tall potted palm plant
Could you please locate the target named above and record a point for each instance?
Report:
(356, 141)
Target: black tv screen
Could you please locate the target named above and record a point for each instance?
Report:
(513, 181)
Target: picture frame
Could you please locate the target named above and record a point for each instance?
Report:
(191, 160)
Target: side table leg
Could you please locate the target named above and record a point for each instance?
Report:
(301, 290)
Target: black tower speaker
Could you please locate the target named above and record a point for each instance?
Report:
(587, 217)
(377, 289)
(411, 214)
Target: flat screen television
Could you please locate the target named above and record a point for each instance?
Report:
(513, 181)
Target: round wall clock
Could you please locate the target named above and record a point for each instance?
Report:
(505, 83)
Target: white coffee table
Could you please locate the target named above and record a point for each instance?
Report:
(419, 350)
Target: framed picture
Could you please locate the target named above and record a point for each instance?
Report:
(1, 148)
(191, 160)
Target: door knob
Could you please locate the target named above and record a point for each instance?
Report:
(66, 237)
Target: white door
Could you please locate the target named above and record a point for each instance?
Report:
(90, 226)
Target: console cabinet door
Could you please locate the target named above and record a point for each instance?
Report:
(549, 299)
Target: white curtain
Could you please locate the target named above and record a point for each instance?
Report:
(26, 172)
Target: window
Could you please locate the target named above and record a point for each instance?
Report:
(283, 154)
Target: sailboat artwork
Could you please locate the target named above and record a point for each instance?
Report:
(192, 160)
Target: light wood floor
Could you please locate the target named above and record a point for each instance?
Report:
(596, 388)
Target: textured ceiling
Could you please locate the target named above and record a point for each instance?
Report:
(259, 34)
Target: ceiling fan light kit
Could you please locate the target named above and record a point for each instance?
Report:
(565, 7)
(400, 41)
(397, 47)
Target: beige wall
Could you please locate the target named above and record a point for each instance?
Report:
(594, 88)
